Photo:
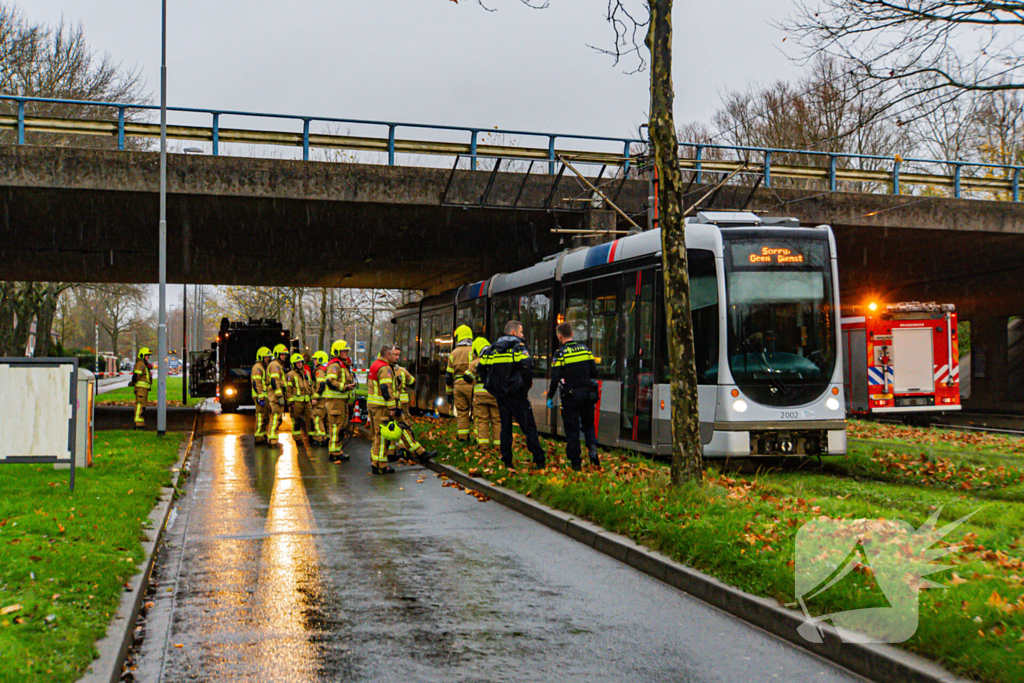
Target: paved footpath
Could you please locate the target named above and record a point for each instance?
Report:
(282, 567)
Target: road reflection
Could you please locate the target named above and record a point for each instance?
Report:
(289, 576)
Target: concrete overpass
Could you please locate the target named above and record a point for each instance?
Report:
(90, 215)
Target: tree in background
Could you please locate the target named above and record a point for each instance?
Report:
(38, 60)
(117, 309)
(921, 54)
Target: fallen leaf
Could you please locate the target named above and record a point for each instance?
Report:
(10, 609)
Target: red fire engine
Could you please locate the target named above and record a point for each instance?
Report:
(901, 358)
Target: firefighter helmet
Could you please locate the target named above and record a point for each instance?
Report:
(339, 346)
(320, 357)
(262, 353)
(279, 349)
(391, 431)
(144, 351)
(463, 332)
(297, 359)
(479, 344)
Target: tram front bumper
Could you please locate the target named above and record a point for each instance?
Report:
(796, 438)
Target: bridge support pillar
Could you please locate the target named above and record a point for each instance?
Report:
(989, 367)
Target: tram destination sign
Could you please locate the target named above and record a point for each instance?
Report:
(764, 255)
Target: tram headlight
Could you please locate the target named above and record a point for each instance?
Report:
(229, 391)
(739, 405)
(832, 404)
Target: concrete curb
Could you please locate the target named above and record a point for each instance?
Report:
(876, 662)
(113, 647)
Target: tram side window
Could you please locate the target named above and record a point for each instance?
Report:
(501, 313)
(472, 315)
(427, 347)
(538, 332)
(400, 336)
(604, 330)
(703, 313)
(577, 311)
(443, 338)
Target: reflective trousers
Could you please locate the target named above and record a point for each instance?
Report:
(262, 418)
(276, 417)
(302, 417)
(379, 416)
(319, 420)
(488, 419)
(517, 407)
(141, 399)
(463, 410)
(337, 423)
(577, 416)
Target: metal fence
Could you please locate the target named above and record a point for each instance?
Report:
(389, 139)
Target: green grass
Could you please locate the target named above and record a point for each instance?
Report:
(742, 528)
(126, 395)
(67, 555)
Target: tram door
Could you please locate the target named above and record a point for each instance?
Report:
(638, 383)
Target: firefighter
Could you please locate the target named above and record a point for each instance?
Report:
(485, 408)
(574, 375)
(299, 390)
(142, 380)
(460, 392)
(407, 446)
(382, 404)
(278, 399)
(260, 384)
(507, 371)
(339, 383)
(319, 403)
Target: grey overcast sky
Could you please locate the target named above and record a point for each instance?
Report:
(428, 61)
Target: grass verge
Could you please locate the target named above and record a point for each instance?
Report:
(125, 396)
(741, 528)
(66, 556)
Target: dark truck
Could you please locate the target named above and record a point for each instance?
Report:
(224, 369)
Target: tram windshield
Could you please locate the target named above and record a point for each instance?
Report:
(781, 335)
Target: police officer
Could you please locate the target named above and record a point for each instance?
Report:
(485, 407)
(507, 370)
(299, 390)
(460, 392)
(142, 380)
(260, 385)
(278, 400)
(573, 374)
(339, 383)
(319, 433)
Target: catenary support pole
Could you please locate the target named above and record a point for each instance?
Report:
(161, 333)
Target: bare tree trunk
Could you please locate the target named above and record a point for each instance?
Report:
(302, 318)
(686, 453)
(44, 320)
(323, 319)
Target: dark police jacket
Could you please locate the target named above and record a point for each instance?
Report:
(572, 369)
(506, 368)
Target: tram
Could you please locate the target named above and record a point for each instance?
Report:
(764, 300)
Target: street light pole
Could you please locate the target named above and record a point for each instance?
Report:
(161, 334)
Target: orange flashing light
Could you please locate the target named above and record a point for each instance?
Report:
(835, 391)
(872, 306)
(735, 393)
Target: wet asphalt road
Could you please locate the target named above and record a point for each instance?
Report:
(283, 567)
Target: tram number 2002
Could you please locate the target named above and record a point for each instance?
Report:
(790, 415)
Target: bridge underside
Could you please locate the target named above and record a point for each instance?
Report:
(91, 216)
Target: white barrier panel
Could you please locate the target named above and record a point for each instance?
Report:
(38, 404)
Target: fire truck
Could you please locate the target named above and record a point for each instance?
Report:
(223, 371)
(901, 358)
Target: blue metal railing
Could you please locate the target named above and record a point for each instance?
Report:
(699, 163)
